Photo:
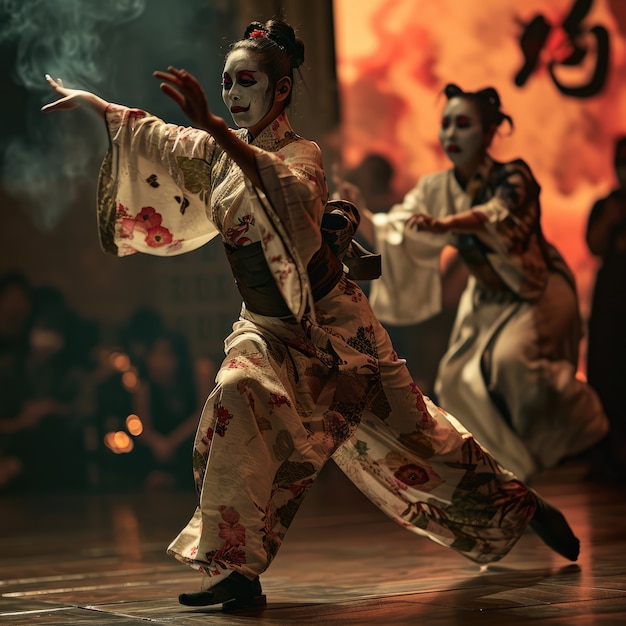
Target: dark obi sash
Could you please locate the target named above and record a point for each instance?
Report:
(258, 287)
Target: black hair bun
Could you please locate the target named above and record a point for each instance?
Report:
(488, 99)
(452, 91)
(283, 35)
(490, 95)
(252, 26)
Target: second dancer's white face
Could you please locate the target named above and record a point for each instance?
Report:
(246, 89)
(461, 133)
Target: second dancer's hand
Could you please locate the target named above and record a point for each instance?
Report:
(427, 223)
(187, 92)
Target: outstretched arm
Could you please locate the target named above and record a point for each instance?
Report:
(187, 92)
(471, 221)
(73, 98)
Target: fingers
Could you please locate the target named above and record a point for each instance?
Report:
(55, 84)
(171, 78)
(186, 91)
(174, 75)
(62, 103)
(413, 222)
(59, 105)
(419, 222)
(179, 73)
(174, 81)
(174, 94)
(183, 88)
(182, 79)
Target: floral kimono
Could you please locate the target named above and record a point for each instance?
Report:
(299, 388)
(510, 369)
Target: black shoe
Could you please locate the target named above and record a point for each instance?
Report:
(233, 593)
(552, 528)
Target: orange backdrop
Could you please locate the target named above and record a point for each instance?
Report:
(394, 57)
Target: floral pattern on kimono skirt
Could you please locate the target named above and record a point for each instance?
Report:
(293, 392)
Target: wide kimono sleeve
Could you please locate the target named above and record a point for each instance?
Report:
(409, 289)
(288, 211)
(148, 198)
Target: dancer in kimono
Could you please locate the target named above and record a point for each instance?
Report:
(509, 372)
(309, 373)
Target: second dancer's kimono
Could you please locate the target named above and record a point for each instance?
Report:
(309, 373)
(509, 372)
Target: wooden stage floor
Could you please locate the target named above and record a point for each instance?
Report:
(100, 559)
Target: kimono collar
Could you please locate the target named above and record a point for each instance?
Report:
(479, 178)
(274, 136)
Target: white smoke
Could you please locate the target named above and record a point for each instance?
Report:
(62, 38)
(110, 47)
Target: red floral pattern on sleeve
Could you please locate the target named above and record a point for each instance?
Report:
(147, 222)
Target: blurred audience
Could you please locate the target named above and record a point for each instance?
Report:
(168, 401)
(606, 351)
(76, 413)
(147, 407)
(45, 361)
(16, 415)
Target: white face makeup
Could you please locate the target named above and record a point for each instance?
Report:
(246, 89)
(461, 133)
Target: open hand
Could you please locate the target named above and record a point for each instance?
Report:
(73, 98)
(70, 98)
(187, 92)
(426, 223)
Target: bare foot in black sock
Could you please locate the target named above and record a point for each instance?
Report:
(552, 527)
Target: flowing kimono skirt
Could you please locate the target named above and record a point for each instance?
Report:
(289, 396)
(510, 374)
